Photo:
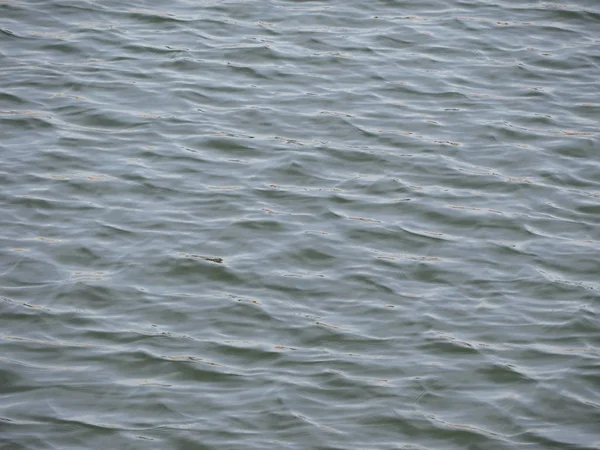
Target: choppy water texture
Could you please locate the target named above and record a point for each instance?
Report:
(300, 224)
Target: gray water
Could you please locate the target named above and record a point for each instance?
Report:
(278, 224)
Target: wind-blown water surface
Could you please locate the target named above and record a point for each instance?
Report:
(299, 224)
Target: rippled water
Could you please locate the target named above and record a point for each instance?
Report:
(299, 224)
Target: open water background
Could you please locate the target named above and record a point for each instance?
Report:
(280, 224)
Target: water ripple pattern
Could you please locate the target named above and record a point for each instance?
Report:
(284, 224)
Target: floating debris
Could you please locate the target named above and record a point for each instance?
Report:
(204, 258)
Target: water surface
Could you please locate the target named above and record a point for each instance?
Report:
(299, 224)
